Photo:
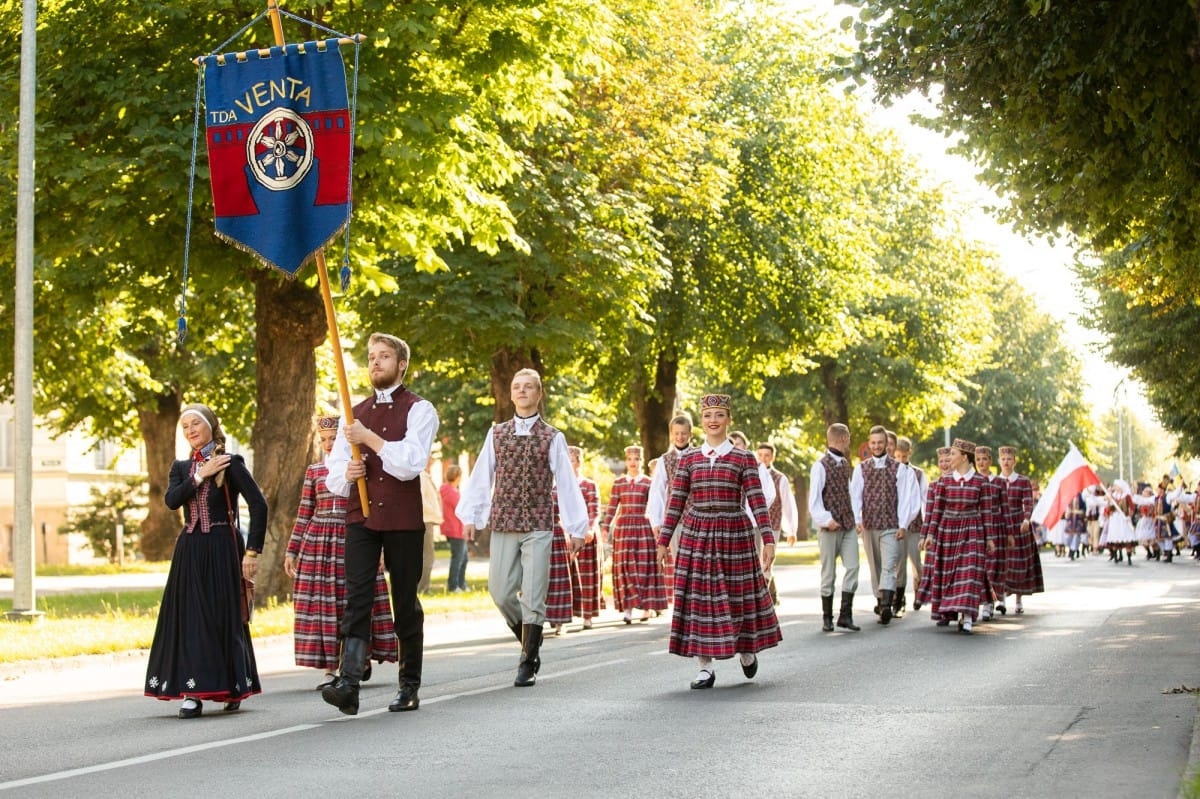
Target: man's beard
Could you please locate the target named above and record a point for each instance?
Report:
(385, 380)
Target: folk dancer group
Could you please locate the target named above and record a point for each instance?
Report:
(1161, 519)
(974, 528)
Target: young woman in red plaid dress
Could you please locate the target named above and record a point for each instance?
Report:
(637, 575)
(961, 528)
(316, 560)
(722, 606)
(587, 599)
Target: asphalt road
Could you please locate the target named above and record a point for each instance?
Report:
(1071, 699)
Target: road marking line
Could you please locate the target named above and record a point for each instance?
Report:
(187, 750)
(135, 761)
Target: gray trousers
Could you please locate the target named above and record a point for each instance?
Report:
(519, 575)
(883, 554)
(910, 552)
(834, 544)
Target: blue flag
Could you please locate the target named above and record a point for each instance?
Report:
(279, 145)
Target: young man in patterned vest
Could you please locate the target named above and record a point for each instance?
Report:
(783, 510)
(885, 499)
(831, 513)
(394, 429)
(511, 490)
(660, 482)
(910, 550)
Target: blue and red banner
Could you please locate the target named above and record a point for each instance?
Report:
(279, 145)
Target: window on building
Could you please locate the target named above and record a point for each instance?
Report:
(105, 455)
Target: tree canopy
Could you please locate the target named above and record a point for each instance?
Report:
(1081, 117)
(643, 199)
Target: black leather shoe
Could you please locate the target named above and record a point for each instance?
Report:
(232, 706)
(330, 679)
(187, 712)
(526, 676)
(343, 696)
(750, 670)
(406, 699)
(366, 672)
(705, 682)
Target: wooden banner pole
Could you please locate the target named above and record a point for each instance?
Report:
(330, 316)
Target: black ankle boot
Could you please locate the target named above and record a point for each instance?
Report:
(885, 606)
(412, 653)
(845, 617)
(827, 613)
(343, 694)
(899, 604)
(530, 662)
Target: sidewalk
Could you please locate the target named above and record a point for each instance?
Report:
(83, 583)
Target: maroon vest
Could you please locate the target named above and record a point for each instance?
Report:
(879, 495)
(776, 509)
(523, 498)
(835, 495)
(395, 504)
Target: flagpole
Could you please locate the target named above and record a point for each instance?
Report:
(330, 316)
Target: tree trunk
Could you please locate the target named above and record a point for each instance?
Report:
(161, 525)
(836, 407)
(506, 362)
(653, 406)
(800, 492)
(289, 323)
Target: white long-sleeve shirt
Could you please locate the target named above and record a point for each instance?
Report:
(475, 500)
(908, 493)
(403, 459)
(788, 512)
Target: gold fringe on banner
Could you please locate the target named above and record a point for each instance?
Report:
(265, 52)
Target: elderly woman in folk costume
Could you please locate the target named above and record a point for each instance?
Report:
(722, 605)
(963, 525)
(201, 647)
(316, 560)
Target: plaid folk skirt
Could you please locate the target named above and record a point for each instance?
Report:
(319, 600)
(722, 606)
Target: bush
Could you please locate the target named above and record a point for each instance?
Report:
(121, 506)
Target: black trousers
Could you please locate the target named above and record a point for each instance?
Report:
(402, 553)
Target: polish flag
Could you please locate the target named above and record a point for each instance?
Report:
(1070, 478)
